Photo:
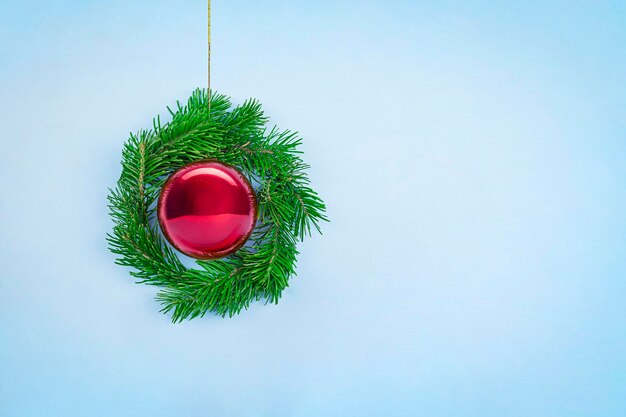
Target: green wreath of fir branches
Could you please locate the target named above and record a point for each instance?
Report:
(288, 207)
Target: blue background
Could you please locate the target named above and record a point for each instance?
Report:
(473, 159)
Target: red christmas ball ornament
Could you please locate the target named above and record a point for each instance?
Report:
(207, 209)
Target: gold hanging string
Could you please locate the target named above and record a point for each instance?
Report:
(209, 60)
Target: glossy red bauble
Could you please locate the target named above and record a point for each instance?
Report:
(207, 210)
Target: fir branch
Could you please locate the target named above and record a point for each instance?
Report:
(288, 207)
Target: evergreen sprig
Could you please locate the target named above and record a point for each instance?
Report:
(288, 207)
